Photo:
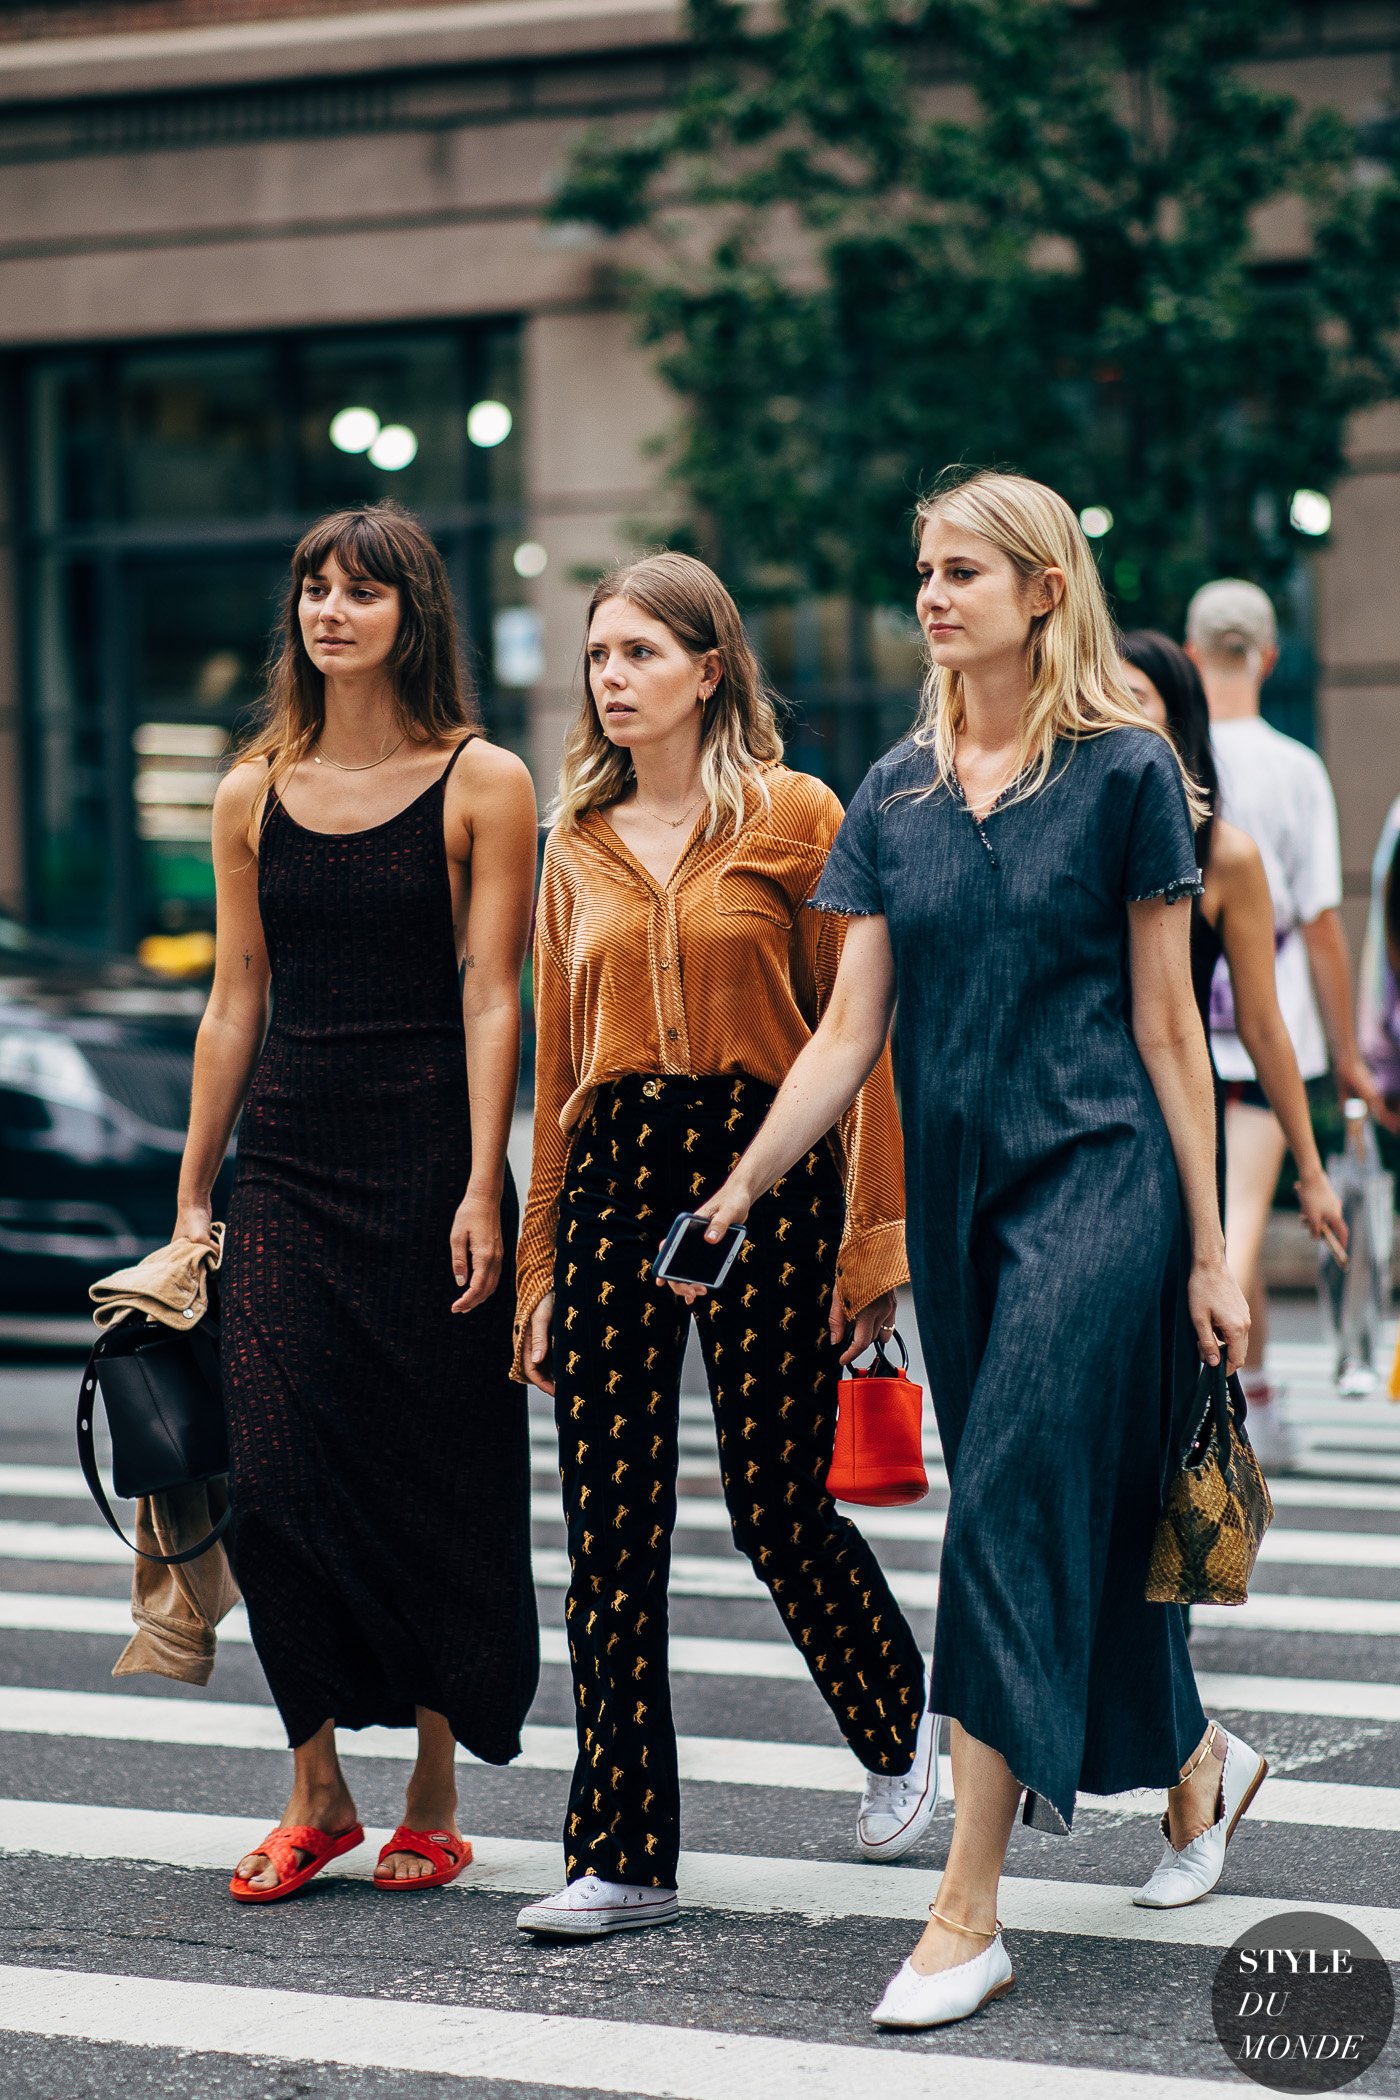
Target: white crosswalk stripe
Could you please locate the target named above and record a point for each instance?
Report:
(739, 1882)
(681, 2063)
(716, 1657)
(233, 1725)
(1325, 1820)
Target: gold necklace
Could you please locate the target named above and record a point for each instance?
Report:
(672, 823)
(317, 760)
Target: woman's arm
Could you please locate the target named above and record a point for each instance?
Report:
(1330, 961)
(235, 1019)
(871, 1262)
(1247, 931)
(556, 1079)
(1172, 1045)
(494, 800)
(825, 1078)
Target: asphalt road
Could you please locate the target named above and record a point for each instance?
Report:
(124, 1968)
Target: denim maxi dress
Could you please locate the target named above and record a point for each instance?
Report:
(1048, 1246)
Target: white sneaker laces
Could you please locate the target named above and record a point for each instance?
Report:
(893, 1790)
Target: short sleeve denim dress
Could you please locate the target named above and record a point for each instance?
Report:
(1047, 1245)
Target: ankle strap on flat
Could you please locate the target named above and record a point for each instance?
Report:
(1202, 1754)
(970, 1932)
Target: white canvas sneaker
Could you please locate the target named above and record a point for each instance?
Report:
(1185, 1876)
(897, 1808)
(588, 1908)
(913, 2000)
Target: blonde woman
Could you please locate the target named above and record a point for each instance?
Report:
(1015, 869)
(677, 975)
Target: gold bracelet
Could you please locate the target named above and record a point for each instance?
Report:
(969, 1931)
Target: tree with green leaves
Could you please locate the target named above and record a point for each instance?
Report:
(877, 236)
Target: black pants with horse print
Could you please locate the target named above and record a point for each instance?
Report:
(649, 1148)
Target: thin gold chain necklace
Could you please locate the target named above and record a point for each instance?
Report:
(317, 760)
(672, 823)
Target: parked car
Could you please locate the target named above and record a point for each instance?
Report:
(96, 1056)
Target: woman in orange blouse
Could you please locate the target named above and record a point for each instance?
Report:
(677, 976)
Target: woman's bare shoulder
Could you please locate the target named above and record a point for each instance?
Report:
(244, 782)
(486, 770)
(1236, 874)
(241, 789)
(1233, 853)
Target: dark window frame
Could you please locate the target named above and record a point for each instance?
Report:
(465, 529)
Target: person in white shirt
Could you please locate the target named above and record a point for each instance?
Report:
(1278, 791)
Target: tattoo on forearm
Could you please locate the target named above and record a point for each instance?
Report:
(247, 958)
(471, 962)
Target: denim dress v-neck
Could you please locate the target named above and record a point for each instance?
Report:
(1047, 1246)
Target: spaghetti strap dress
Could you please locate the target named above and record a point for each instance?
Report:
(379, 1455)
(1048, 1248)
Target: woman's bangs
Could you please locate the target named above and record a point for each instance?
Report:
(357, 542)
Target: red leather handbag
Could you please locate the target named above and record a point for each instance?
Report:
(879, 1452)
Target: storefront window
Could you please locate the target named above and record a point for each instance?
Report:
(199, 435)
(388, 419)
(69, 468)
(166, 487)
(199, 634)
(69, 736)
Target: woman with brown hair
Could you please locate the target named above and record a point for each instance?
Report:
(677, 975)
(374, 859)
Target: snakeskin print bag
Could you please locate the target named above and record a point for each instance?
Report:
(1217, 1506)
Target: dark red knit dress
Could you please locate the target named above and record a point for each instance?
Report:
(379, 1449)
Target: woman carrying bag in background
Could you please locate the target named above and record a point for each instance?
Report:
(676, 977)
(369, 846)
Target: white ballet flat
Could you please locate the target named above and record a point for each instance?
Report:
(1185, 1876)
(897, 1808)
(913, 2000)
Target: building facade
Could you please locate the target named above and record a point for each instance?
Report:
(260, 259)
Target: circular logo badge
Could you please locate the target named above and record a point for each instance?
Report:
(1303, 2002)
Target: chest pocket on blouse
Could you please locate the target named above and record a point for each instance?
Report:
(747, 882)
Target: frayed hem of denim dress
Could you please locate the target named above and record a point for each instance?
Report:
(1172, 892)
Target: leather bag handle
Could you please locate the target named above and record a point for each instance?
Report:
(882, 1367)
(1224, 1396)
(87, 1459)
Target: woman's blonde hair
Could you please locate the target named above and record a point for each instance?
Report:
(739, 734)
(433, 699)
(1077, 687)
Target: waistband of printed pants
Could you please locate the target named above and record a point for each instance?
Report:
(693, 1093)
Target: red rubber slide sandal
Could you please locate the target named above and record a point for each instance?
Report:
(444, 1851)
(281, 1848)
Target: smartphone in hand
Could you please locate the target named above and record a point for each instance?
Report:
(688, 1257)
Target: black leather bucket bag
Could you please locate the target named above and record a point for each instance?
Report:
(160, 1390)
